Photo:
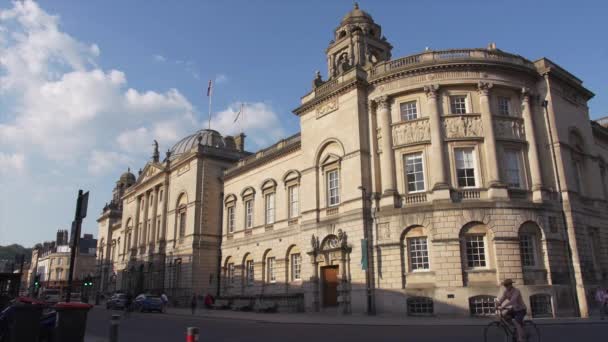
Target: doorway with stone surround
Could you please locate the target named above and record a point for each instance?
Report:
(329, 281)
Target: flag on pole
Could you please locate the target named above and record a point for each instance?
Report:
(209, 88)
(238, 114)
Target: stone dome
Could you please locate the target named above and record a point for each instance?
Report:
(127, 178)
(207, 137)
(357, 15)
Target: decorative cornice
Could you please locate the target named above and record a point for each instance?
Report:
(340, 89)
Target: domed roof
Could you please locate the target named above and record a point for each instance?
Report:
(356, 14)
(207, 137)
(127, 177)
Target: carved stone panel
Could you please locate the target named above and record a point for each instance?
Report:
(327, 107)
(411, 132)
(462, 126)
(509, 128)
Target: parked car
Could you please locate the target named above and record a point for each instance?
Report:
(51, 295)
(117, 301)
(146, 303)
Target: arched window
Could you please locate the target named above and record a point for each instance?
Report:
(229, 271)
(181, 212)
(530, 246)
(249, 270)
(294, 258)
(415, 250)
(419, 306)
(540, 305)
(482, 305)
(475, 246)
(270, 272)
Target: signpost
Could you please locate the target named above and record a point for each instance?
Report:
(81, 212)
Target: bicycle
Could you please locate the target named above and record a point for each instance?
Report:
(503, 329)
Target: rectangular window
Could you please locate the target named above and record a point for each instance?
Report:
(248, 214)
(333, 187)
(294, 201)
(409, 111)
(458, 104)
(578, 182)
(465, 167)
(476, 252)
(158, 228)
(182, 224)
(419, 254)
(230, 272)
(269, 208)
(296, 266)
(59, 261)
(527, 248)
(512, 169)
(504, 106)
(230, 217)
(414, 172)
(250, 275)
(271, 276)
(482, 305)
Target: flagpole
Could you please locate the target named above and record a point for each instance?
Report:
(210, 95)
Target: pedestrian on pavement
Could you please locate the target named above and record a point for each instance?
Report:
(208, 301)
(165, 300)
(128, 304)
(193, 303)
(601, 296)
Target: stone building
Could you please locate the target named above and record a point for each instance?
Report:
(418, 184)
(162, 229)
(51, 261)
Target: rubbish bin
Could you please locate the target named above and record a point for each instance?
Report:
(23, 321)
(71, 321)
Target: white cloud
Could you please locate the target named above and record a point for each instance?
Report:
(258, 120)
(11, 162)
(221, 78)
(102, 162)
(159, 58)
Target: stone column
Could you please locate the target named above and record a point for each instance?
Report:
(154, 214)
(439, 182)
(535, 175)
(135, 235)
(387, 164)
(497, 189)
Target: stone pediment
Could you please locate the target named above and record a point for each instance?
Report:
(149, 171)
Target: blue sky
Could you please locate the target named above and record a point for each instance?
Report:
(86, 85)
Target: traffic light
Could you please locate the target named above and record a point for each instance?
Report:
(88, 281)
(37, 282)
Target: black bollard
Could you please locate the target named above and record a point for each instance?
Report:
(114, 323)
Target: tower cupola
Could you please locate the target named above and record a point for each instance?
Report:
(358, 41)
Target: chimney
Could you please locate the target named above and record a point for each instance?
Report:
(59, 238)
(240, 142)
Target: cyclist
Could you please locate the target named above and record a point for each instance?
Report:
(512, 297)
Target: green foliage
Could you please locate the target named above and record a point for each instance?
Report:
(9, 252)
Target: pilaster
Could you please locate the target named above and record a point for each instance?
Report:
(535, 174)
(439, 183)
(387, 164)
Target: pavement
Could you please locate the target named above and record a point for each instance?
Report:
(362, 319)
(305, 327)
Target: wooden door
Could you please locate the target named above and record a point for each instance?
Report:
(330, 285)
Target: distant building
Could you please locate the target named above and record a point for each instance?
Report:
(51, 261)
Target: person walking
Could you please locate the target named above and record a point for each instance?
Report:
(514, 303)
(193, 303)
(128, 304)
(165, 300)
(601, 296)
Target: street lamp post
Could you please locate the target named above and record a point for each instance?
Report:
(367, 263)
(81, 213)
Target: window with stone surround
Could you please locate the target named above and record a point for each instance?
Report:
(465, 167)
(230, 219)
(182, 223)
(269, 208)
(512, 168)
(409, 110)
(414, 172)
(527, 246)
(230, 273)
(475, 251)
(504, 106)
(458, 104)
(333, 187)
(293, 195)
(271, 276)
(249, 269)
(419, 306)
(418, 253)
(296, 266)
(248, 213)
(540, 305)
(482, 305)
